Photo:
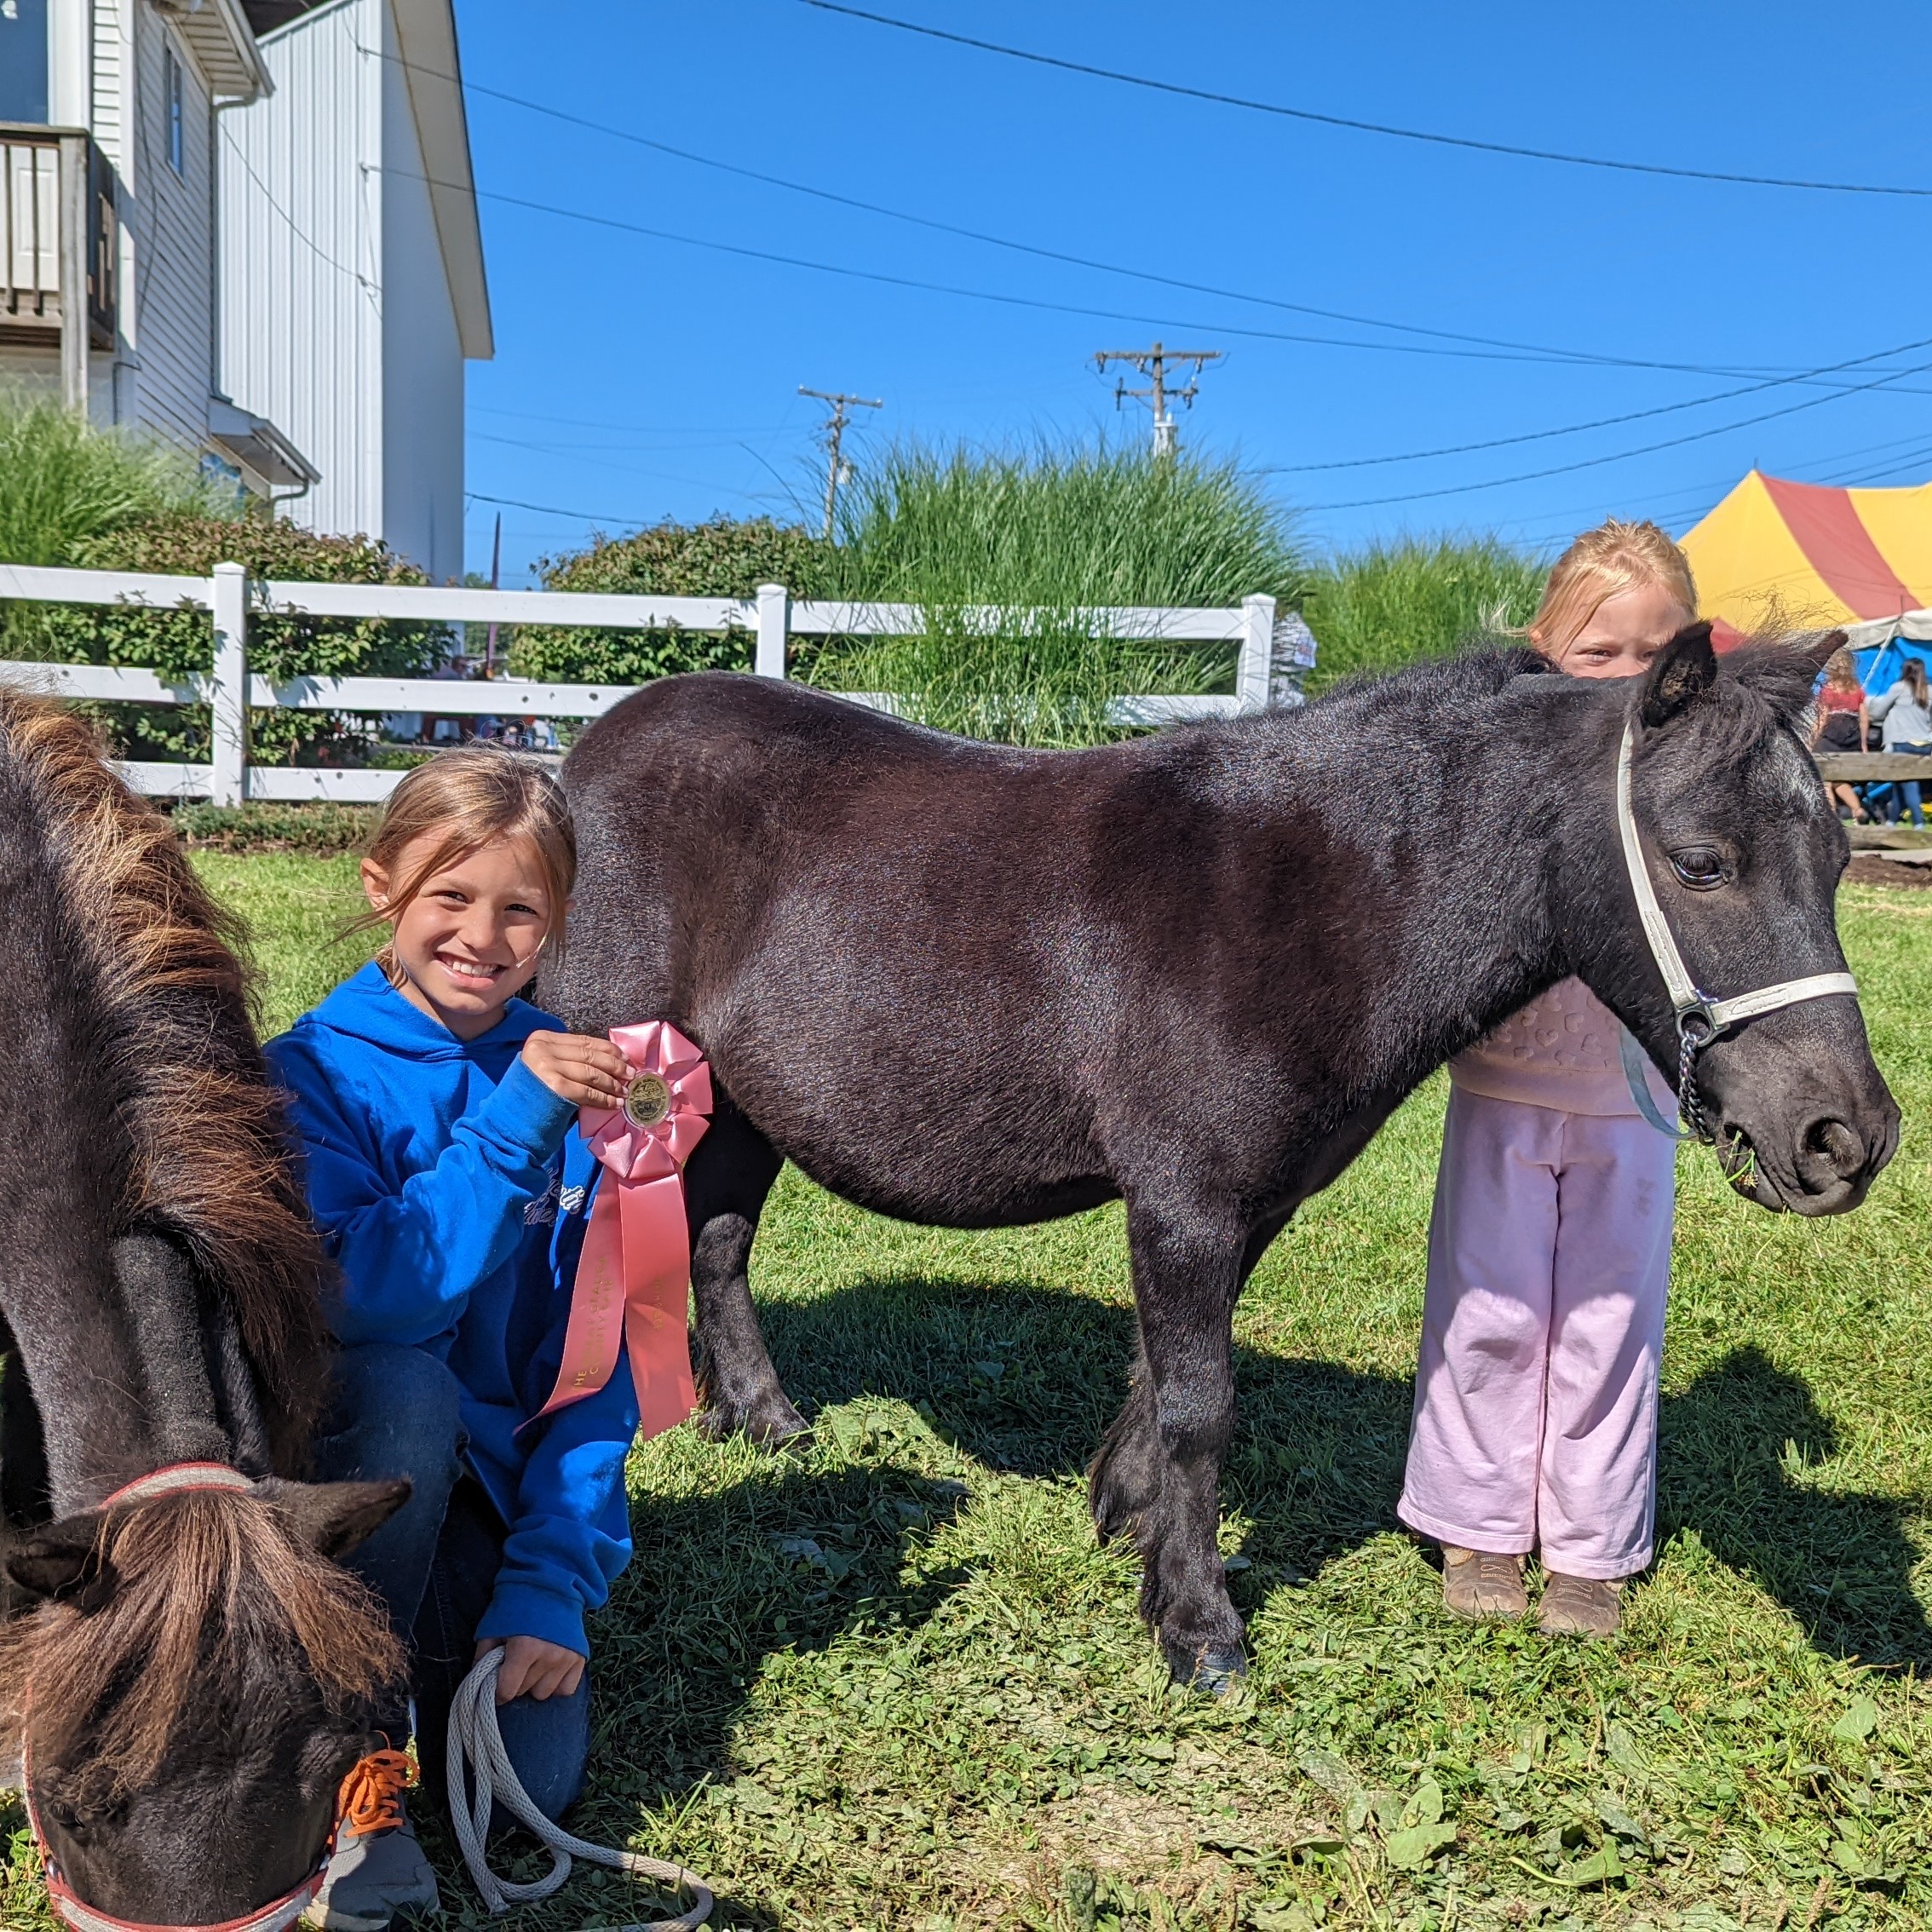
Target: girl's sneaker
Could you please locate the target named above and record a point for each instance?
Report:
(1483, 1584)
(378, 1869)
(1581, 1606)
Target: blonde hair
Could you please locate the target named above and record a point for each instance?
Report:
(473, 796)
(1841, 669)
(1615, 557)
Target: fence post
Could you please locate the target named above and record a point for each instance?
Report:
(228, 691)
(1257, 644)
(774, 627)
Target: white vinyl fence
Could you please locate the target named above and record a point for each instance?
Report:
(231, 598)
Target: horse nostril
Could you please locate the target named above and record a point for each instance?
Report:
(1835, 1142)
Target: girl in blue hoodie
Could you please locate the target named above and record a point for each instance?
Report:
(437, 1114)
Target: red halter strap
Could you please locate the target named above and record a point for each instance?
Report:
(173, 1480)
(73, 1910)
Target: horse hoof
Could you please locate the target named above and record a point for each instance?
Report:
(771, 1425)
(1217, 1672)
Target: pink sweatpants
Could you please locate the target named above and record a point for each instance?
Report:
(1536, 1402)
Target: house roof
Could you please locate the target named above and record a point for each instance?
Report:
(222, 38)
(1800, 554)
(266, 16)
(432, 68)
(425, 37)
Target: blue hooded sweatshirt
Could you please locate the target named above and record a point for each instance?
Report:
(451, 1188)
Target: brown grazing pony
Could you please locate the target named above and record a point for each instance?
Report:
(187, 1677)
(973, 986)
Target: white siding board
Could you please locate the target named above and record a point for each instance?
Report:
(422, 372)
(301, 213)
(174, 244)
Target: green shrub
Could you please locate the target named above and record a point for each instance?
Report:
(178, 643)
(1048, 536)
(1377, 609)
(722, 558)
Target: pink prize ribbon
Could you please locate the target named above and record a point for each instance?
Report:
(634, 1275)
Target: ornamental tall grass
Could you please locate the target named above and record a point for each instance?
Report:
(1045, 537)
(63, 483)
(1376, 609)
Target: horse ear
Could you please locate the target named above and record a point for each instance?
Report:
(57, 1559)
(1685, 671)
(1818, 652)
(333, 1517)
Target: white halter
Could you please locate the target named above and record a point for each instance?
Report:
(1700, 1019)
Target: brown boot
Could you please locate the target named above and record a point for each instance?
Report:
(1482, 1583)
(1581, 1606)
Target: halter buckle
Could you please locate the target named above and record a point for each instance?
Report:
(1697, 1023)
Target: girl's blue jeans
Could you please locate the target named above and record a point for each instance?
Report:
(1906, 792)
(395, 1412)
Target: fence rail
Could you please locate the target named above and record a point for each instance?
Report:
(231, 599)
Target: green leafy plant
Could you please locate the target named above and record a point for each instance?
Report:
(1377, 609)
(724, 557)
(281, 646)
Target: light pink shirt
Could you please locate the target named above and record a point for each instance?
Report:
(1560, 1051)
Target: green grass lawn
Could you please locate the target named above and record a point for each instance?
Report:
(892, 1682)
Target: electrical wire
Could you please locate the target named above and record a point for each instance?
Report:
(1363, 127)
(1622, 455)
(1531, 351)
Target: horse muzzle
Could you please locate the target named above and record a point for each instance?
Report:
(1823, 1163)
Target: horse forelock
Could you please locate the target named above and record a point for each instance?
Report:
(168, 1005)
(195, 1594)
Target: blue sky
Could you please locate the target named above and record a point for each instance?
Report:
(638, 378)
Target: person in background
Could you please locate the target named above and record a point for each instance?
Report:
(1844, 724)
(1535, 1420)
(1905, 714)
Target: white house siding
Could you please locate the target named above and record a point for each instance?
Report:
(423, 373)
(167, 326)
(301, 216)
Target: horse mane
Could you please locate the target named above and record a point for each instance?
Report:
(188, 1592)
(168, 1007)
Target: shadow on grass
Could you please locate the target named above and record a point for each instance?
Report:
(1742, 1449)
(1027, 1379)
(796, 1557)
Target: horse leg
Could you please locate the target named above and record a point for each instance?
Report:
(725, 1183)
(1158, 1474)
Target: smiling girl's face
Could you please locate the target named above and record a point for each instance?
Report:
(469, 941)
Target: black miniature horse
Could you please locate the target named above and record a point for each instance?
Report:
(186, 1678)
(972, 986)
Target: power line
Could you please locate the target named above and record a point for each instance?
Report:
(1362, 127)
(1622, 455)
(1529, 351)
(1836, 393)
(549, 509)
(1606, 422)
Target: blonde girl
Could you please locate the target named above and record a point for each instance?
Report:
(437, 1113)
(1550, 1248)
(1842, 723)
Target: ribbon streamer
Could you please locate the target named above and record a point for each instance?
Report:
(634, 1275)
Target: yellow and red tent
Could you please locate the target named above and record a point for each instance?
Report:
(1801, 556)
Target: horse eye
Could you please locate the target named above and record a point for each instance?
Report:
(1700, 868)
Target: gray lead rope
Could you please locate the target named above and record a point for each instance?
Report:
(1700, 1019)
(480, 1774)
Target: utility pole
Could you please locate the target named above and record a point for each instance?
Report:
(838, 470)
(1153, 363)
